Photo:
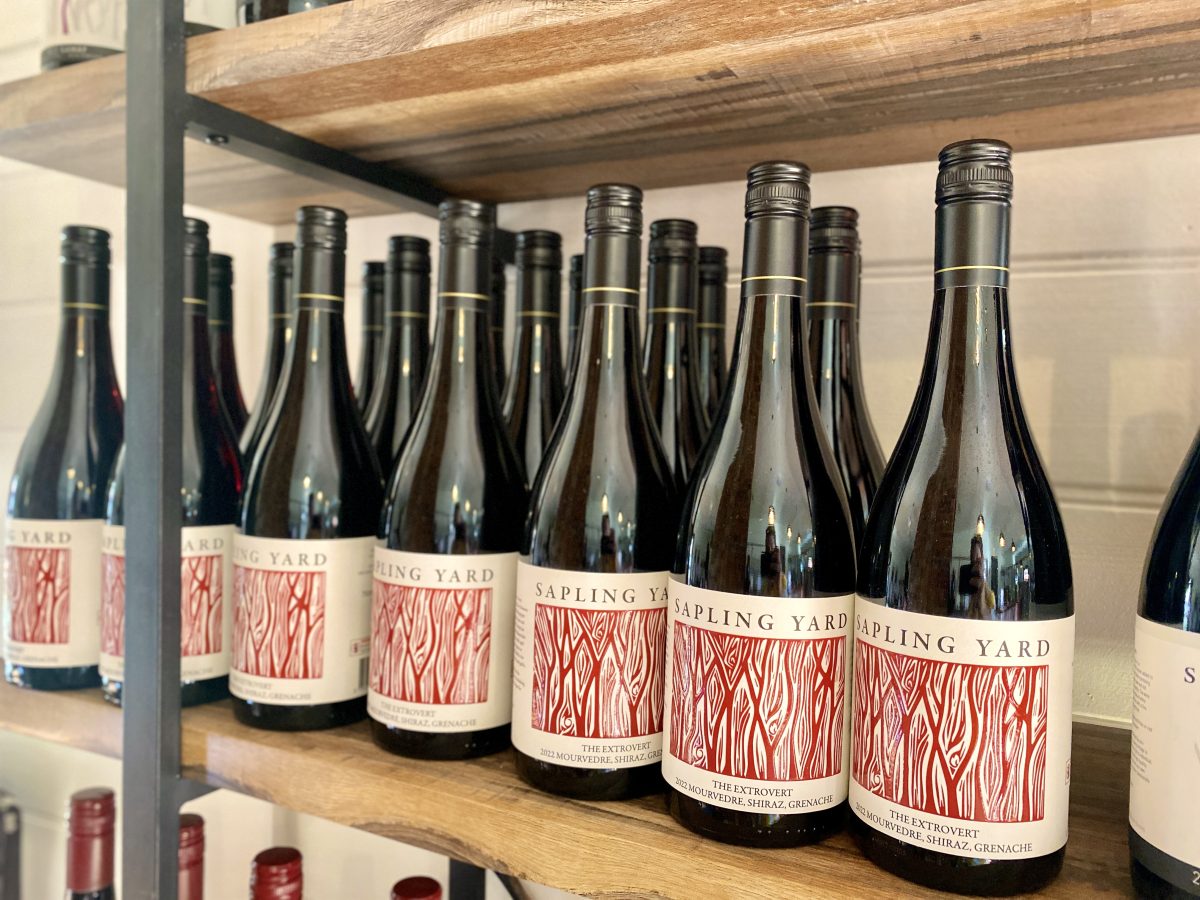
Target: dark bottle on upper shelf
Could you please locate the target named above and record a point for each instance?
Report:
(277, 874)
(833, 354)
(56, 496)
(211, 488)
(965, 609)
(710, 329)
(762, 593)
(417, 887)
(602, 523)
(574, 312)
(91, 836)
(534, 394)
(279, 332)
(373, 276)
(302, 557)
(1164, 841)
(445, 575)
(191, 857)
(220, 324)
(496, 312)
(405, 350)
(260, 10)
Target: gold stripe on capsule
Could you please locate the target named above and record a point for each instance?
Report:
(537, 314)
(195, 301)
(775, 278)
(218, 321)
(963, 268)
(841, 303)
(713, 325)
(405, 314)
(618, 290)
(672, 309)
(84, 306)
(464, 295)
(320, 297)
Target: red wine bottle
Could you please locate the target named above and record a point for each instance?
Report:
(191, 857)
(418, 887)
(220, 323)
(1163, 839)
(10, 847)
(591, 588)
(74, 31)
(574, 311)
(762, 592)
(534, 394)
(56, 496)
(964, 621)
(833, 354)
(710, 329)
(496, 310)
(91, 826)
(372, 333)
(441, 618)
(302, 558)
(277, 874)
(279, 330)
(405, 350)
(211, 489)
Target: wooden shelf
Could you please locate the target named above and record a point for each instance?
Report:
(481, 812)
(512, 99)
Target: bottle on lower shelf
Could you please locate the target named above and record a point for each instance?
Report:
(417, 887)
(191, 857)
(91, 836)
(277, 874)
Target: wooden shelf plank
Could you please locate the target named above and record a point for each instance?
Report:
(481, 812)
(513, 99)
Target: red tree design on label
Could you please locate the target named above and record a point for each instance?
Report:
(769, 709)
(39, 594)
(953, 739)
(431, 645)
(112, 604)
(598, 673)
(278, 623)
(202, 590)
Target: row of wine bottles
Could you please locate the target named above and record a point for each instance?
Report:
(694, 628)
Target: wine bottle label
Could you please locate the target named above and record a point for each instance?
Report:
(211, 13)
(962, 731)
(301, 619)
(757, 714)
(1166, 752)
(52, 592)
(84, 23)
(441, 640)
(588, 667)
(206, 602)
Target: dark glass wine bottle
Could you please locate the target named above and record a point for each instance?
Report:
(441, 621)
(91, 828)
(710, 329)
(496, 313)
(373, 276)
(965, 610)
(418, 887)
(220, 324)
(833, 354)
(762, 592)
(191, 857)
(279, 332)
(669, 358)
(574, 311)
(211, 490)
(10, 847)
(56, 496)
(591, 614)
(534, 395)
(1164, 841)
(405, 349)
(277, 874)
(301, 627)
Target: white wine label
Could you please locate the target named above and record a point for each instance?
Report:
(588, 667)
(757, 713)
(301, 619)
(1164, 784)
(206, 602)
(961, 731)
(213, 13)
(84, 23)
(441, 640)
(52, 592)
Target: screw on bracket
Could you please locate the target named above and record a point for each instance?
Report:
(217, 140)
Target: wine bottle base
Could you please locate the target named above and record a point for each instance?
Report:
(589, 784)
(748, 829)
(70, 678)
(191, 693)
(959, 874)
(273, 717)
(440, 745)
(1146, 862)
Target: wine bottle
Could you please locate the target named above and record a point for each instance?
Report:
(10, 847)
(372, 332)
(203, 16)
(1163, 840)
(211, 489)
(964, 611)
(591, 588)
(574, 311)
(302, 558)
(710, 329)
(496, 313)
(405, 349)
(56, 496)
(74, 31)
(669, 361)
(220, 325)
(91, 826)
(833, 354)
(441, 618)
(762, 593)
(191, 857)
(534, 394)
(277, 873)
(418, 887)
(279, 332)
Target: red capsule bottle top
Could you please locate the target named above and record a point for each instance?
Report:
(276, 875)
(191, 857)
(91, 826)
(418, 887)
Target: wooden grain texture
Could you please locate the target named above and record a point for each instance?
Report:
(518, 99)
(481, 812)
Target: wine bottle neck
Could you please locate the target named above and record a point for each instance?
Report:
(197, 318)
(540, 299)
(84, 337)
(461, 356)
(971, 244)
(318, 345)
(672, 287)
(612, 269)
